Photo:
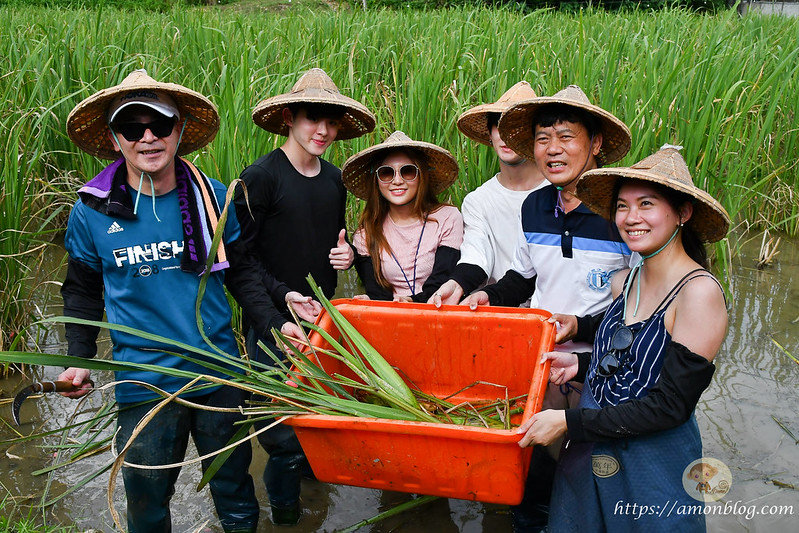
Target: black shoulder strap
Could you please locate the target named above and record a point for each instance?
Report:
(682, 283)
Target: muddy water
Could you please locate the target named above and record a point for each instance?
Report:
(755, 383)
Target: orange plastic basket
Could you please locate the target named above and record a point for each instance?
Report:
(440, 351)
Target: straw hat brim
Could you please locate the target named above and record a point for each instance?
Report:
(595, 189)
(357, 120)
(516, 128)
(87, 124)
(473, 123)
(358, 171)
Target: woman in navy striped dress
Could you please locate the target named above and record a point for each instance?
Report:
(629, 442)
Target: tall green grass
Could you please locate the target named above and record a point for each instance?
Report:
(722, 86)
(16, 518)
(32, 199)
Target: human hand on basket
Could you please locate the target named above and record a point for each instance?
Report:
(566, 327)
(294, 333)
(450, 293)
(306, 307)
(562, 368)
(543, 428)
(475, 299)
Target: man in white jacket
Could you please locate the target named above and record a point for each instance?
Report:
(491, 212)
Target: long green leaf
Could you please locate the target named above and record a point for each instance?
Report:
(220, 459)
(361, 346)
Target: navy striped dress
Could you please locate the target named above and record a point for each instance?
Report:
(640, 365)
(602, 478)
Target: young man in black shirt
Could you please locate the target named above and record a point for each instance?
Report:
(292, 219)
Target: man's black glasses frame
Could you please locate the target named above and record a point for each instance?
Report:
(134, 131)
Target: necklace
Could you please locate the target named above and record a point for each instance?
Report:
(412, 288)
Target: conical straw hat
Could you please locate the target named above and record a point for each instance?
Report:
(517, 130)
(314, 87)
(474, 122)
(359, 170)
(596, 189)
(87, 124)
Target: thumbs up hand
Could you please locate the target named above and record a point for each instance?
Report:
(342, 256)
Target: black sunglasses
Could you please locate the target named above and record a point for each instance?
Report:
(407, 172)
(134, 131)
(621, 340)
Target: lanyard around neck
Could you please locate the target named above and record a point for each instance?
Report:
(412, 288)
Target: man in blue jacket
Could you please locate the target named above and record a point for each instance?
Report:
(138, 239)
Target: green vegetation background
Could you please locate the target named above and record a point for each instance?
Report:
(165, 5)
(721, 85)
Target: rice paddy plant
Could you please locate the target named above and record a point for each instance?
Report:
(31, 204)
(15, 519)
(721, 85)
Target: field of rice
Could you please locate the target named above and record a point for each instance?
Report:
(722, 86)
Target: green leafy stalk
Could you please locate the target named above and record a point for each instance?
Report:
(388, 376)
(416, 502)
(785, 429)
(786, 352)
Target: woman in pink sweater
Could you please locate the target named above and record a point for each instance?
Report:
(407, 241)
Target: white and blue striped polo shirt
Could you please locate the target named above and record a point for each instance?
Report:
(574, 255)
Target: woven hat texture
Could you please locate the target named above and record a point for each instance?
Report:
(710, 220)
(87, 124)
(314, 87)
(516, 125)
(474, 122)
(359, 170)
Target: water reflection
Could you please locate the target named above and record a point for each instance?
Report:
(755, 383)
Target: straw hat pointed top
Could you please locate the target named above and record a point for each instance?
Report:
(474, 122)
(596, 189)
(359, 170)
(87, 124)
(315, 87)
(517, 130)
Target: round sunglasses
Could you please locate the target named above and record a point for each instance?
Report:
(407, 172)
(134, 131)
(621, 340)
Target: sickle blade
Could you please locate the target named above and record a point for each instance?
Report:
(45, 386)
(18, 399)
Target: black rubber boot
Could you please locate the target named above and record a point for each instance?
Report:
(286, 516)
(532, 515)
(282, 477)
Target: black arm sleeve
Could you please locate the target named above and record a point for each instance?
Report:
(445, 260)
(683, 378)
(82, 292)
(249, 209)
(512, 290)
(587, 327)
(469, 277)
(244, 280)
(583, 360)
(375, 291)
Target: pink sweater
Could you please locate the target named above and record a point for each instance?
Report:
(444, 228)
